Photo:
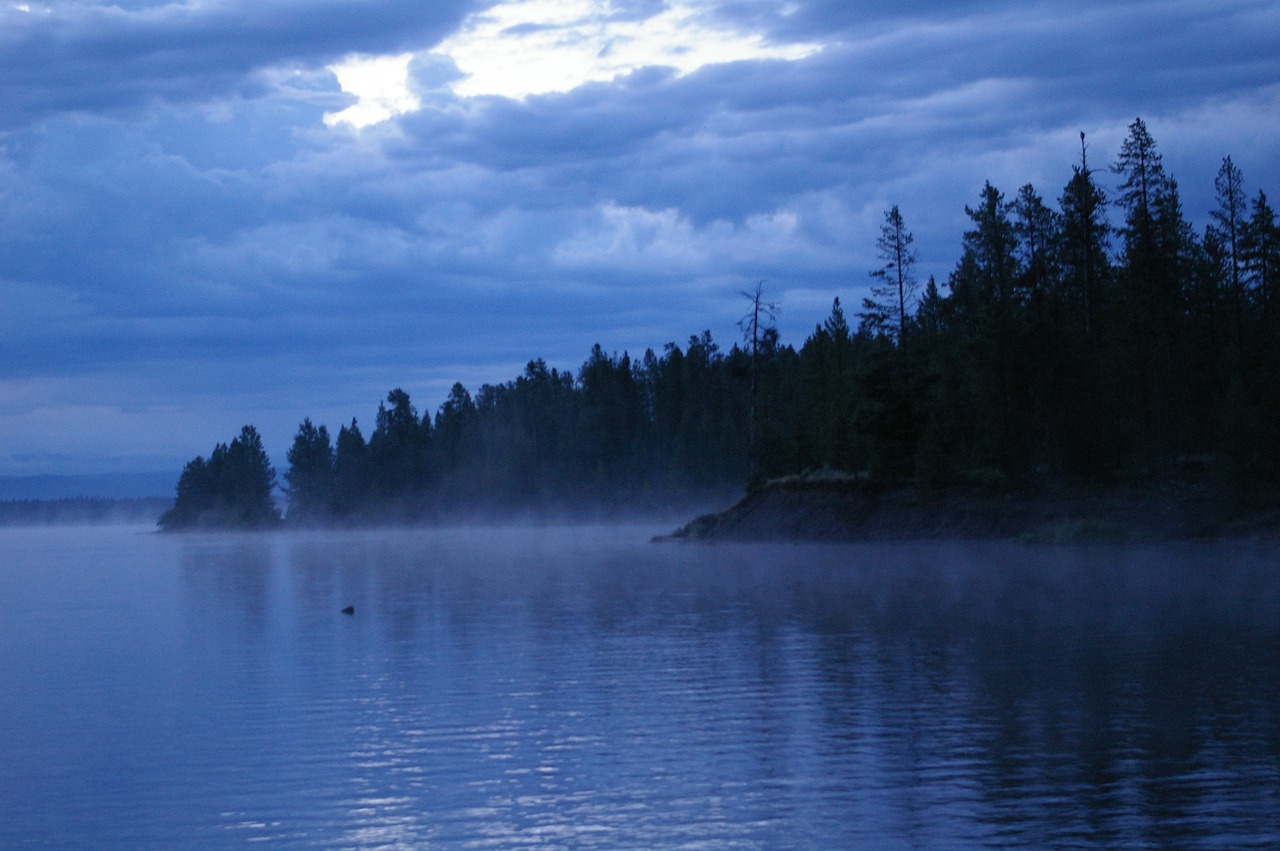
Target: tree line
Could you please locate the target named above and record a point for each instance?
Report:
(1096, 342)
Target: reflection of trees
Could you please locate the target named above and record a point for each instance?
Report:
(229, 578)
(1101, 699)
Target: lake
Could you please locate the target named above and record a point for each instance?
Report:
(582, 687)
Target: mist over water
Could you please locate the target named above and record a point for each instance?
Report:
(551, 687)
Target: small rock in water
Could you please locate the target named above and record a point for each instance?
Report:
(349, 610)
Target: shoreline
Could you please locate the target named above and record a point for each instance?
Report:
(836, 508)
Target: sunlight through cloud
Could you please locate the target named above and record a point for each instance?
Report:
(381, 86)
(527, 47)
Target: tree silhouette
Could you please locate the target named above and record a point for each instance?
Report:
(1229, 227)
(755, 324)
(893, 294)
(1047, 360)
(232, 489)
(310, 475)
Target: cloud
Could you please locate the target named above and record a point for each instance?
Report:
(524, 47)
(381, 86)
(100, 58)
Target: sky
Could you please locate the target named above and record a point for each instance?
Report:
(222, 212)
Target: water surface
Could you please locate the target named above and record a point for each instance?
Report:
(524, 687)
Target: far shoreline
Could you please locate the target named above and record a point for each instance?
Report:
(826, 506)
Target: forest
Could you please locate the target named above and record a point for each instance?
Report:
(1093, 343)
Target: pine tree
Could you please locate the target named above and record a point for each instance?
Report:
(232, 489)
(829, 396)
(456, 444)
(1143, 183)
(990, 306)
(1151, 299)
(1261, 257)
(1229, 226)
(398, 451)
(249, 480)
(351, 475)
(1036, 230)
(607, 431)
(1085, 242)
(310, 473)
(893, 295)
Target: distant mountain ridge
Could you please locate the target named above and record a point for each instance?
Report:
(95, 486)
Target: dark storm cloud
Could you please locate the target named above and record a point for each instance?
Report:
(1102, 55)
(92, 57)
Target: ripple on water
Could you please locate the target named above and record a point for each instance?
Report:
(522, 689)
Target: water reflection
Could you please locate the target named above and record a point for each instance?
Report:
(510, 687)
(229, 577)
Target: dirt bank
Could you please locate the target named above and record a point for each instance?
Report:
(839, 508)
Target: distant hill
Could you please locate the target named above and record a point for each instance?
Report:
(93, 486)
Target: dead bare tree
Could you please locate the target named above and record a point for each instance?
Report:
(760, 318)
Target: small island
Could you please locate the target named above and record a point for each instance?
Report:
(1094, 368)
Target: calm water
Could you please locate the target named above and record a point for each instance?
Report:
(585, 688)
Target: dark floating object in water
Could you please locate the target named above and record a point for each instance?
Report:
(349, 610)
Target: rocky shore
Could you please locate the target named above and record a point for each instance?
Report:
(836, 507)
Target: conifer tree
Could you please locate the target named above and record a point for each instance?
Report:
(1261, 256)
(250, 480)
(1229, 227)
(456, 443)
(350, 470)
(1085, 242)
(608, 426)
(310, 473)
(232, 489)
(893, 295)
(1151, 306)
(398, 451)
(1143, 181)
(1035, 229)
(990, 306)
(828, 396)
